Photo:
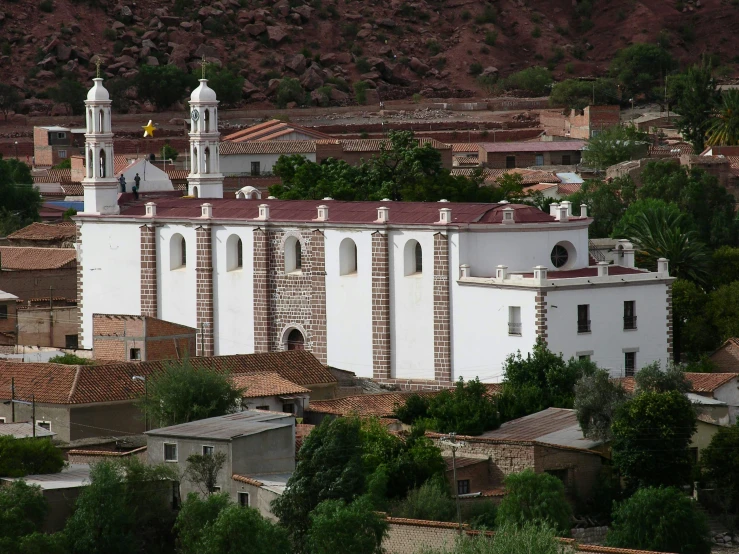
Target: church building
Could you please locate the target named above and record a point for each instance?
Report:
(417, 294)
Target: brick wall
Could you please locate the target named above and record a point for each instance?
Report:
(149, 271)
(114, 336)
(42, 152)
(582, 468)
(541, 314)
(497, 160)
(80, 456)
(442, 313)
(35, 284)
(34, 327)
(412, 539)
(204, 290)
(479, 476)
(727, 358)
(381, 358)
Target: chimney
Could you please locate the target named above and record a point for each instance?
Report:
(445, 216)
(501, 272)
(464, 271)
(663, 266)
(151, 209)
(322, 213)
(263, 212)
(554, 210)
(383, 214)
(508, 215)
(206, 211)
(563, 212)
(583, 210)
(602, 269)
(568, 204)
(540, 274)
(625, 253)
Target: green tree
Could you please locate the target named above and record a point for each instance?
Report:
(180, 393)
(651, 378)
(19, 200)
(70, 359)
(538, 497)
(163, 85)
(229, 84)
(22, 512)
(725, 265)
(695, 96)
(651, 439)
(64, 164)
(722, 310)
(239, 530)
(528, 538)
(70, 93)
(720, 467)
(576, 94)
(289, 90)
(724, 128)
(114, 515)
(203, 469)
(41, 543)
(532, 80)
(694, 332)
(195, 516)
(614, 145)
(660, 231)
(9, 99)
(21, 457)
(340, 527)
(169, 152)
(597, 399)
(606, 202)
(639, 66)
(660, 520)
(431, 501)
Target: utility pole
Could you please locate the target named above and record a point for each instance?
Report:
(33, 414)
(12, 400)
(452, 443)
(51, 316)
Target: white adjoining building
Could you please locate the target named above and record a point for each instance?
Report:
(409, 293)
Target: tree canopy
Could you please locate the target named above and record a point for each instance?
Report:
(695, 96)
(338, 526)
(163, 85)
(21, 457)
(9, 99)
(576, 94)
(614, 145)
(22, 512)
(19, 200)
(226, 82)
(71, 93)
(241, 530)
(639, 67)
(535, 497)
(606, 201)
(720, 468)
(724, 127)
(597, 399)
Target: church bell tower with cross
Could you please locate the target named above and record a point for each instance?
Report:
(100, 185)
(205, 179)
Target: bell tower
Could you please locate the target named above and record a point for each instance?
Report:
(205, 179)
(100, 185)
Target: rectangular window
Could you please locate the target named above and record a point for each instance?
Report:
(566, 159)
(244, 499)
(583, 318)
(584, 357)
(2, 420)
(539, 159)
(61, 135)
(463, 486)
(170, 452)
(288, 408)
(510, 162)
(216, 489)
(44, 425)
(208, 450)
(255, 169)
(514, 320)
(62, 153)
(4, 312)
(135, 354)
(629, 314)
(71, 342)
(263, 408)
(629, 363)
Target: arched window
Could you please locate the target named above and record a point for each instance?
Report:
(194, 192)
(347, 257)
(89, 121)
(206, 119)
(295, 340)
(413, 257)
(207, 159)
(234, 253)
(90, 165)
(293, 255)
(101, 122)
(195, 167)
(102, 163)
(177, 252)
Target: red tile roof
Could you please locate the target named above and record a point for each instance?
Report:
(376, 145)
(270, 129)
(368, 405)
(565, 189)
(588, 272)
(465, 147)
(54, 176)
(73, 189)
(268, 147)
(534, 146)
(120, 163)
(466, 160)
(409, 213)
(533, 176)
(670, 150)
(46, 231)
(700, 382)
(258, 385)
(30, 258)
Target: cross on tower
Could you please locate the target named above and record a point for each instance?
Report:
(98, 62)
(203, 64)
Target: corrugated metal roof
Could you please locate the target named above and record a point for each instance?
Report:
(23, 430)
(228, 427)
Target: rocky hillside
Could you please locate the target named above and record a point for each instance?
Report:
(400, 47)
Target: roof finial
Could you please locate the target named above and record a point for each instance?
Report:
(98, 62)
(203, 64)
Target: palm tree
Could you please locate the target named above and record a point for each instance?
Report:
(661, 232)
(724, 128)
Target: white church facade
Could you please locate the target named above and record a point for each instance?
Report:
(411, 293)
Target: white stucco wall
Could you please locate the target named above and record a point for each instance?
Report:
(729, 393)
(607, 339)
(349, 304)
(111, 273)
(412, 309)
(241, 163)
(233, 292)
(152, 178)
(176, 291)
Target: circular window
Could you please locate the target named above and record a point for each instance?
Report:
(559, 256)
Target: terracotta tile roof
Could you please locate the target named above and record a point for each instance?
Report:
(29, 258)
(73, 189)
(120, 163)
(377, 405)
(376, 145)
(410, 213)
(670, 150)
(466, 160)
(46, 231)
(465, 147)
(247, 480)
(271, 128)
(700, 382)
(54, 176)
(268, 147)
(532, 176)
(565, 189)
(177, 174)
(534, 146)
(539, 187)
(462, 461)
(258, 385)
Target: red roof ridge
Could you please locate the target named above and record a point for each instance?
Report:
(247, 480)
(73, 390)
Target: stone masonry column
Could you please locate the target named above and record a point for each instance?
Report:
(204, 290)
(317, 323)
(262, 315)
(381, 359)
(442, 312)
(149, 306)
(541, 314)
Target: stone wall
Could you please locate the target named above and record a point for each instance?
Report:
(35, 284)
(590, 535)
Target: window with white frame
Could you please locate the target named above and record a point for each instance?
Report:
(44, 424)
(234, 253)
(170, 452)
(293, 255)
(413, 258)
(177, 252)
(62, 153)
(514, 320)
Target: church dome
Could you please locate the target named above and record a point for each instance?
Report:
(98, 91)
(203, 93)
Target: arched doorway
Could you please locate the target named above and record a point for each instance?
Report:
(295, 340)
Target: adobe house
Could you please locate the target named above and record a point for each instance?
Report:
(53, 144)
(8, 331)
(509, 155)
(30, 272)
(50, 322)
(579, 124)
(726, 357)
